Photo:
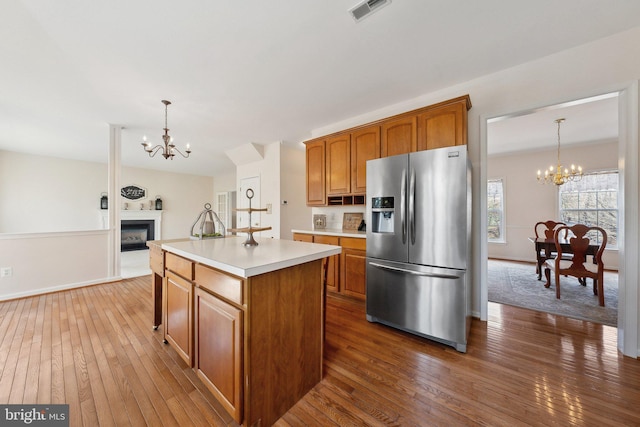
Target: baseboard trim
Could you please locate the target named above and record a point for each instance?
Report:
(53, 289)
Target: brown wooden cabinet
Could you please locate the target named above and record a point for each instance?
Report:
(353, 266)
(338, 165)
(258, 341)
(316, 190)
(333, 266)
(299, 237)
(399, 136)
(443, 126)
(365, 145)
(218, 350)
(156, 263)
(178, 315)
(178, 309)
(346, 273)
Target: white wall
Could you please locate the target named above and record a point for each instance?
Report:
(225, 182)
(282, 177)
(295, 214)
(527, 202)
(268, 169)
(183, 197)
(46, 262)
(49, 194)
(49, 262)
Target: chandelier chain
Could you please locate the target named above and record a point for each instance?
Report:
(558, 176)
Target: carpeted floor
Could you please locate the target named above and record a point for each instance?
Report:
(516, 283)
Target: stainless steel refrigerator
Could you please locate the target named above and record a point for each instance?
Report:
(418, 241)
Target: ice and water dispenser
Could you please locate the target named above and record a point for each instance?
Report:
(382, 214)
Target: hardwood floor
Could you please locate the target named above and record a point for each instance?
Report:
(94, 349)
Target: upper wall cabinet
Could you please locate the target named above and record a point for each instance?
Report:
(316, 195)
(365, 145)
(399, 136)
(338, 168)
(336, 164)
(443, 126)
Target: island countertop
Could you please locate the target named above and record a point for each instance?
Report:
(229, 255)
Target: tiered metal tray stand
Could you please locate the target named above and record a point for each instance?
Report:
(250, 241)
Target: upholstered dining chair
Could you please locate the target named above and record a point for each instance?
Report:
(584, 241)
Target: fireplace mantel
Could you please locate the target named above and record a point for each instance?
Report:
(156, 216)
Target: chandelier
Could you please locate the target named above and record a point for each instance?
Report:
(555, 174)
(169, 149)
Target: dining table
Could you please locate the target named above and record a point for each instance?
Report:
(545, 247)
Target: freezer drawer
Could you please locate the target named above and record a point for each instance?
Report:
(427, 301)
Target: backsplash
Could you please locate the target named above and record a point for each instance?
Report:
(334, 214)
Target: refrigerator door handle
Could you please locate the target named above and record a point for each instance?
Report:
(403, 213)
(412, 202)
(415, 273)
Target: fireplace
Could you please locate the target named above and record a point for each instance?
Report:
(135, 233)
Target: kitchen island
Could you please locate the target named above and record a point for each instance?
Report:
(248, 320)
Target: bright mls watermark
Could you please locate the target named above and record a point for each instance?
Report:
(34, 415)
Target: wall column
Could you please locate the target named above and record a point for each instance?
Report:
(115, 138)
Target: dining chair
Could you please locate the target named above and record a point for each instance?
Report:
(545, 229)
(549, 229)
(580, 265)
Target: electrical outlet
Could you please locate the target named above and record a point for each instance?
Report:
(6, 272)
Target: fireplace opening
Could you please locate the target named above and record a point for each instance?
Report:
(135, 233)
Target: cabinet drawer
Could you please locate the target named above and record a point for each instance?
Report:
(179, 265)
(156, 260)
(228, 287)
(353, 243)
(327, 240)
(299, 237)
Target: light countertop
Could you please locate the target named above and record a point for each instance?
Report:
(229, 255)
(334, 232)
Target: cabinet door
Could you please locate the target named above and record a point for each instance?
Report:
(338, 159)
(444, 126)
(399, 136)
(354, 270)
(365, 145)
(316, 195)
(353, 267)
(218, 350)
(333, 276)
(178, 315)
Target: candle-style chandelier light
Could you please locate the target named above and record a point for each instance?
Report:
(169, 149)
(557, 175)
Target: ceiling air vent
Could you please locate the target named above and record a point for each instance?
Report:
(366, 8)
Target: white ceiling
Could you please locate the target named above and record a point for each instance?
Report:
(253, 71)
(587, 121)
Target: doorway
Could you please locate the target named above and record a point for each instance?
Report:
(517, 146)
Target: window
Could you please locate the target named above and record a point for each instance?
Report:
(495, 210)
(592, 201)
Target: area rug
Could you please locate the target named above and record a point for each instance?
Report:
(517, 284)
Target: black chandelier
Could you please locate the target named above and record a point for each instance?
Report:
(169, 149)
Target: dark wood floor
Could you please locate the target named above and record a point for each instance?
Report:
(94, 349)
